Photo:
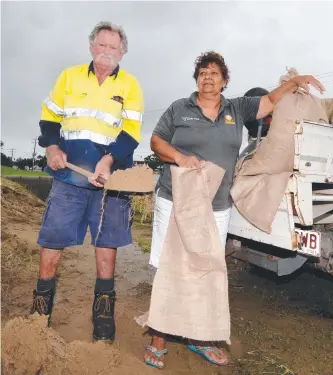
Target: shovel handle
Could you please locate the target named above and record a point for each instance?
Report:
(83, 172)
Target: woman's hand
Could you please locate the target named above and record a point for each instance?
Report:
(187, 161)
(305, 81)
(269, 101)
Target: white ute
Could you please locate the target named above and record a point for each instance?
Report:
(302, 230)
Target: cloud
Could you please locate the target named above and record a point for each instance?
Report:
(258, 39)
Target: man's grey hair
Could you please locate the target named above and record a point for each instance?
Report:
(111, 27)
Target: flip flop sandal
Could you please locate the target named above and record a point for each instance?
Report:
(158, 354)
(202, 351)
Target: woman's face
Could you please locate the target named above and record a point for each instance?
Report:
(210, 80)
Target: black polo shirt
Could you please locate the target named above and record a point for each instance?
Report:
(184, 126)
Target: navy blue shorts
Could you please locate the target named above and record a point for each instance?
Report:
(71, 210)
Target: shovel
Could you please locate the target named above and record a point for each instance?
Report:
(138, 179)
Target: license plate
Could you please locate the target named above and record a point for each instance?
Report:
(308, 242)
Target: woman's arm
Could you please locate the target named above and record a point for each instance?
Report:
(164, 150)
(268, 102)
(160, 142)
(169, 154)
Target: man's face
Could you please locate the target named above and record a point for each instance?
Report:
(106, 49)
(210, 79)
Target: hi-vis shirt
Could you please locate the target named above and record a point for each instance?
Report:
(89, 121)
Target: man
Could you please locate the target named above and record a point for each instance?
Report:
(91, 118)
(253, 126)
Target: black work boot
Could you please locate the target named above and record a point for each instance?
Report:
(103, 316)
(43, 303)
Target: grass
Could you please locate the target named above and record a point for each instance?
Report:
(142, 207)
(7, 171)
(260, 362)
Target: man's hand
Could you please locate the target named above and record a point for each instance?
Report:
(187, 161)
(102, 170)
(305, 81)
(56, 158)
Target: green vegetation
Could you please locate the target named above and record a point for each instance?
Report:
(153, 162)
(7, 171)
(142, 221)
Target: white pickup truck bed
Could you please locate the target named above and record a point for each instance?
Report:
(301, 224)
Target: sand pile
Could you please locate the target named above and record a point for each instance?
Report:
(18, 205)
(21, 212)
(30, 348)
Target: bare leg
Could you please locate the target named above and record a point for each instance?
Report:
(158, 341)
(49, 259)
(105, 262)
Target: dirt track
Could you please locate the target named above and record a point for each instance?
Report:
(269, 329)
(279, 326)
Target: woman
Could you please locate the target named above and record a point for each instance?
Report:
(205, 126)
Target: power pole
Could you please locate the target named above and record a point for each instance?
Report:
(12, 151)
(34, 141)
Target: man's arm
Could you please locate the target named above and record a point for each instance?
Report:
(269, 101)
(51, 117)
(52, 114)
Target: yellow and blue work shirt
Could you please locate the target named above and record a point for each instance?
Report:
(88, 120)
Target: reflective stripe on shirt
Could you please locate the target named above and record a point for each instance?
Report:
(87, 134)
(53, 107)
(131, 115)
(94, 113)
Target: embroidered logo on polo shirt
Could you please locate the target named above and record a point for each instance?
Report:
(190, 118)
(228, 120)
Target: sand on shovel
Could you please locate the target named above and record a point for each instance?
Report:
(29, 347)
(138, 179)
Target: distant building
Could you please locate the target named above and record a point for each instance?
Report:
(139, 162)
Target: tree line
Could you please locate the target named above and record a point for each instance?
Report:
(40, 161)
(23, 163)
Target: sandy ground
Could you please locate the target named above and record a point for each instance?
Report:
(279, 326)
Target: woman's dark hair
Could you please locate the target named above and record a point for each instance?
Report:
(208, 58)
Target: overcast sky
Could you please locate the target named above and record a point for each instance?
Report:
(257, 39)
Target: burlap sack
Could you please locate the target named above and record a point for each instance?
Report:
(190, 289)
(328, 104)
(262, 177)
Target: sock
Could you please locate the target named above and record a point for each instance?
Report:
(104, 285)
(46, 284)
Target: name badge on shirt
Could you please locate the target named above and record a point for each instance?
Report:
(228, 120)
